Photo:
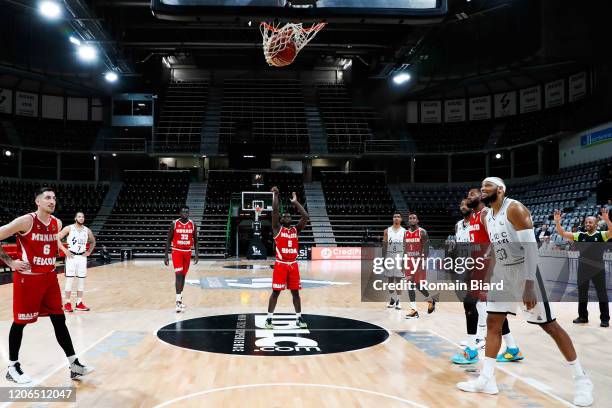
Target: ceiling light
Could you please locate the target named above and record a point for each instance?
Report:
(111, 76)
(49, 9)
(87, 53)
(401, 78)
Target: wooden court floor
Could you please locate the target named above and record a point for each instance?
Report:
(130, 301)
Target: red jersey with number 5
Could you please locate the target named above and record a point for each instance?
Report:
(182, 239)
(38, 246)
(286, 242)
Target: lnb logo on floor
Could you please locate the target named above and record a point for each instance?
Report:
(245, 334)
(220, 282)
(285, 337)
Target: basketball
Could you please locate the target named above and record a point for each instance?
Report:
(284, 56)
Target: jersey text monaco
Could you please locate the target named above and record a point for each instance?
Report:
(183, 236)
(287, 247)
(38, 246)
(414, 246)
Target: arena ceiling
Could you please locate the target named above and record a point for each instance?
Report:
(489, 45)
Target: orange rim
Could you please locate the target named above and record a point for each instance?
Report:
(314, 27)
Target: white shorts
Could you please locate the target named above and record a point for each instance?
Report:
(394, 272)
(510, 300)
(76, 266)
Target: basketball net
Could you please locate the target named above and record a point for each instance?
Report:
(258, 211)
(277, 37)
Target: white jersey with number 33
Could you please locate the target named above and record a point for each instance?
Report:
(506, 244)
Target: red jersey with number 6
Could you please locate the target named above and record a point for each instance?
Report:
(38, 246)
(286, 242)
(182, 240)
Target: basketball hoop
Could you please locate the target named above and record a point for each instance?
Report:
(282, 43)
(258, 211)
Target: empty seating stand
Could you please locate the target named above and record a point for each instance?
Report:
(17, 198)
(359, 206)
(180, 122)
(147, 203)
(264, 111)
(447, 137)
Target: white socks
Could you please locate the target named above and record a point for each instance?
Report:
(12, 363)
(270, 315)
(488, 367)
(509, 340)
(72, 358)
(576, 368)
(298, 315)
(471, 341)
(179, 297)
(79, 300)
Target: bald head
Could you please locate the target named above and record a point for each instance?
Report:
(590, 224)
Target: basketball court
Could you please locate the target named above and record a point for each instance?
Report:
(406, 363)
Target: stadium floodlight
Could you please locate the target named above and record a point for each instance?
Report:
(114, 155)
(498, 156)
(74, 40)
(87, 53)
(8, 153)
(248, 156)
(401, 77)
(111, 76)
(49, 9)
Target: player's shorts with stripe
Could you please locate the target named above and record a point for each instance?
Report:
(510, 299)
(35, 296)
(76, 266)
(181, 261)
(286, 276)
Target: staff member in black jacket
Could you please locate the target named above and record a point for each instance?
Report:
(591, 264)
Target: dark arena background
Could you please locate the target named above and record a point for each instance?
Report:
(131, 112)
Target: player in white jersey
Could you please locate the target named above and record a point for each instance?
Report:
(76, 259)
(462, 228)
(510, 230)
(393, 246)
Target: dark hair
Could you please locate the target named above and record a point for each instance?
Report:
(398, 213)
(184, 207)
(413, 213)
(79, 212)
(43, 190)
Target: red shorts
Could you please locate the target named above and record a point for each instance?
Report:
(34, 296)
(479, 275)
(286, 276)
(417, 277)
(181, 261)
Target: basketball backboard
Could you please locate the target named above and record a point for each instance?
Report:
(253, 199)
(342, 11)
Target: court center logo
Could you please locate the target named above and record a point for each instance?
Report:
(245, 334)
(220, 282)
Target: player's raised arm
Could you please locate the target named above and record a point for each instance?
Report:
(605, 215)
(62, 234)
(195, 244)
(304, 215)
(275, 211)
(168, 243)
(565, 234)
(20, 224)
(520, 218)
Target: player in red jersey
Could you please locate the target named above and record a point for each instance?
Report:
(286, 273)
(182, 237)
(475, 302)
(36, 291)
(416, 243)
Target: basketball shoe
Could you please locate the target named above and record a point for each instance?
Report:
(391, 304)
(412, 314)
(16, 374)
(269, 324)
(468, 356)
(583, 395)
(180, 306)
(299, 322)
(482, 384)
(68, 307)
(81, 307)
(78, 370)
(511, 354)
